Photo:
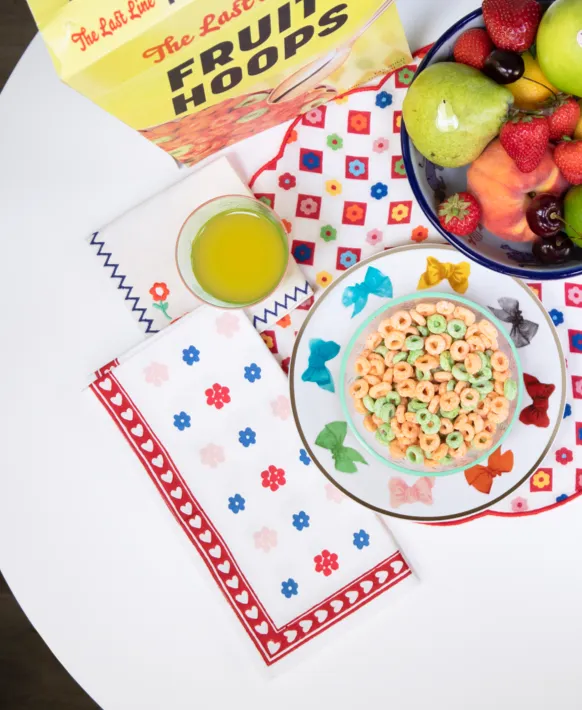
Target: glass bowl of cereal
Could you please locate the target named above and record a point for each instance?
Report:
(431, 384)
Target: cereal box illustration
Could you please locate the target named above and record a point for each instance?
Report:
(194, 76)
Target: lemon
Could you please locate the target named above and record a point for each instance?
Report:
(578, 131)
(533, 89)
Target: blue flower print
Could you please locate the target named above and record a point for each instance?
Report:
(304, 458)
(252, 372)
(559, 499)
(182, 421)
(383, 99)
(191, 355)
(302, 253)
(379, 190)
(311, 161)
(577, 342)
(247, 437)
(556, 316)
(356, 168)
(567, 410)
(361, 539)
(236, 503)
(348, 258)
(289, 588)
(301, 520)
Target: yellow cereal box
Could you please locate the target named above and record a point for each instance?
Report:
(194, 76)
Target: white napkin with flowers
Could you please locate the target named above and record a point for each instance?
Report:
(137, 251)
(205, 407)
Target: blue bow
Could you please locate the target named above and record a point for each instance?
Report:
(320, 352)
(375, 283)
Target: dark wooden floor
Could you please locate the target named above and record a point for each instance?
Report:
(31, 678)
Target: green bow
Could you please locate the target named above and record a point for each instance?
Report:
(332, 438)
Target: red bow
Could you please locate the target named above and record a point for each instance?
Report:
(537, 412)
(481, 477)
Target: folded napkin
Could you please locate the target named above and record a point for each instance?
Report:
(205, 408)
(138, 253)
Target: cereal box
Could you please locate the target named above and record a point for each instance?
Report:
(194, 76)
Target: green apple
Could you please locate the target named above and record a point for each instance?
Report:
(573, 214)
(452, 111)
(559, 45)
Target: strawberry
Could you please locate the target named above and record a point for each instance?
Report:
(568, 157)
(512, 24)
(526, 139)
(473, 47)
(460, 214)
(564, 119)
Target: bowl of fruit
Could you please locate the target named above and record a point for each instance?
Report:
(492, 137)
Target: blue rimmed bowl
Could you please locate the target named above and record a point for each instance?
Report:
(431, 184)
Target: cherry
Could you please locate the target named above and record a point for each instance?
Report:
(504, 67)
(553, 250)
(545, 215)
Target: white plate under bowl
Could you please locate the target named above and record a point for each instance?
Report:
(315, 382)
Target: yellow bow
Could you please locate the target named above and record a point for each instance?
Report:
(456, 274)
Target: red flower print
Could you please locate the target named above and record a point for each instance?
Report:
(273, 478)
(419, 234)
(326, 562)
(564, 456)
(287, 181)
(217, 396)
(159, 291)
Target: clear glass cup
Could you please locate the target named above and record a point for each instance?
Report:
(196, 221)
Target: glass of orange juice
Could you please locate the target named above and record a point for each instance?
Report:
(232, 251)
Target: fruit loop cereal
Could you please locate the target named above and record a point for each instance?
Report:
(432, 383)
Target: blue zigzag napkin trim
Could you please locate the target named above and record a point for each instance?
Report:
(134, 300)
(303, 291)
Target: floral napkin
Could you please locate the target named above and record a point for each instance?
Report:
(205, 408)
(137, 252)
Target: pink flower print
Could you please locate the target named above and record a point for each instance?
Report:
(374, 237)
(334, 494)
(265, 539)
(575, 295)
(308, 206)
(227, 324)
(313, 116)
(212, 455)
(156, 374)
(217, 396)
(381, 145)
(578, 387)
(518, 505)
(281, 407)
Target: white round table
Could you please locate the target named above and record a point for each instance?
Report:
(496, 620)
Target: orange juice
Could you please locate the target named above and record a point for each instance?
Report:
(239, 256)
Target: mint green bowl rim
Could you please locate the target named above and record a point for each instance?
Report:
(419, 297)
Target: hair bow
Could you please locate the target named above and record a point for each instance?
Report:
(536, 413)
(522, 330)
(374, 283)
(332, 438)
(320, 351)
(481, 477)
(419, 492)
(456, 274)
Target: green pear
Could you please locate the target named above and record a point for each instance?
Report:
(559, 45)
(573, 214)
(452, 111)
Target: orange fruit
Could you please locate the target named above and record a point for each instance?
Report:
(533, 89)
